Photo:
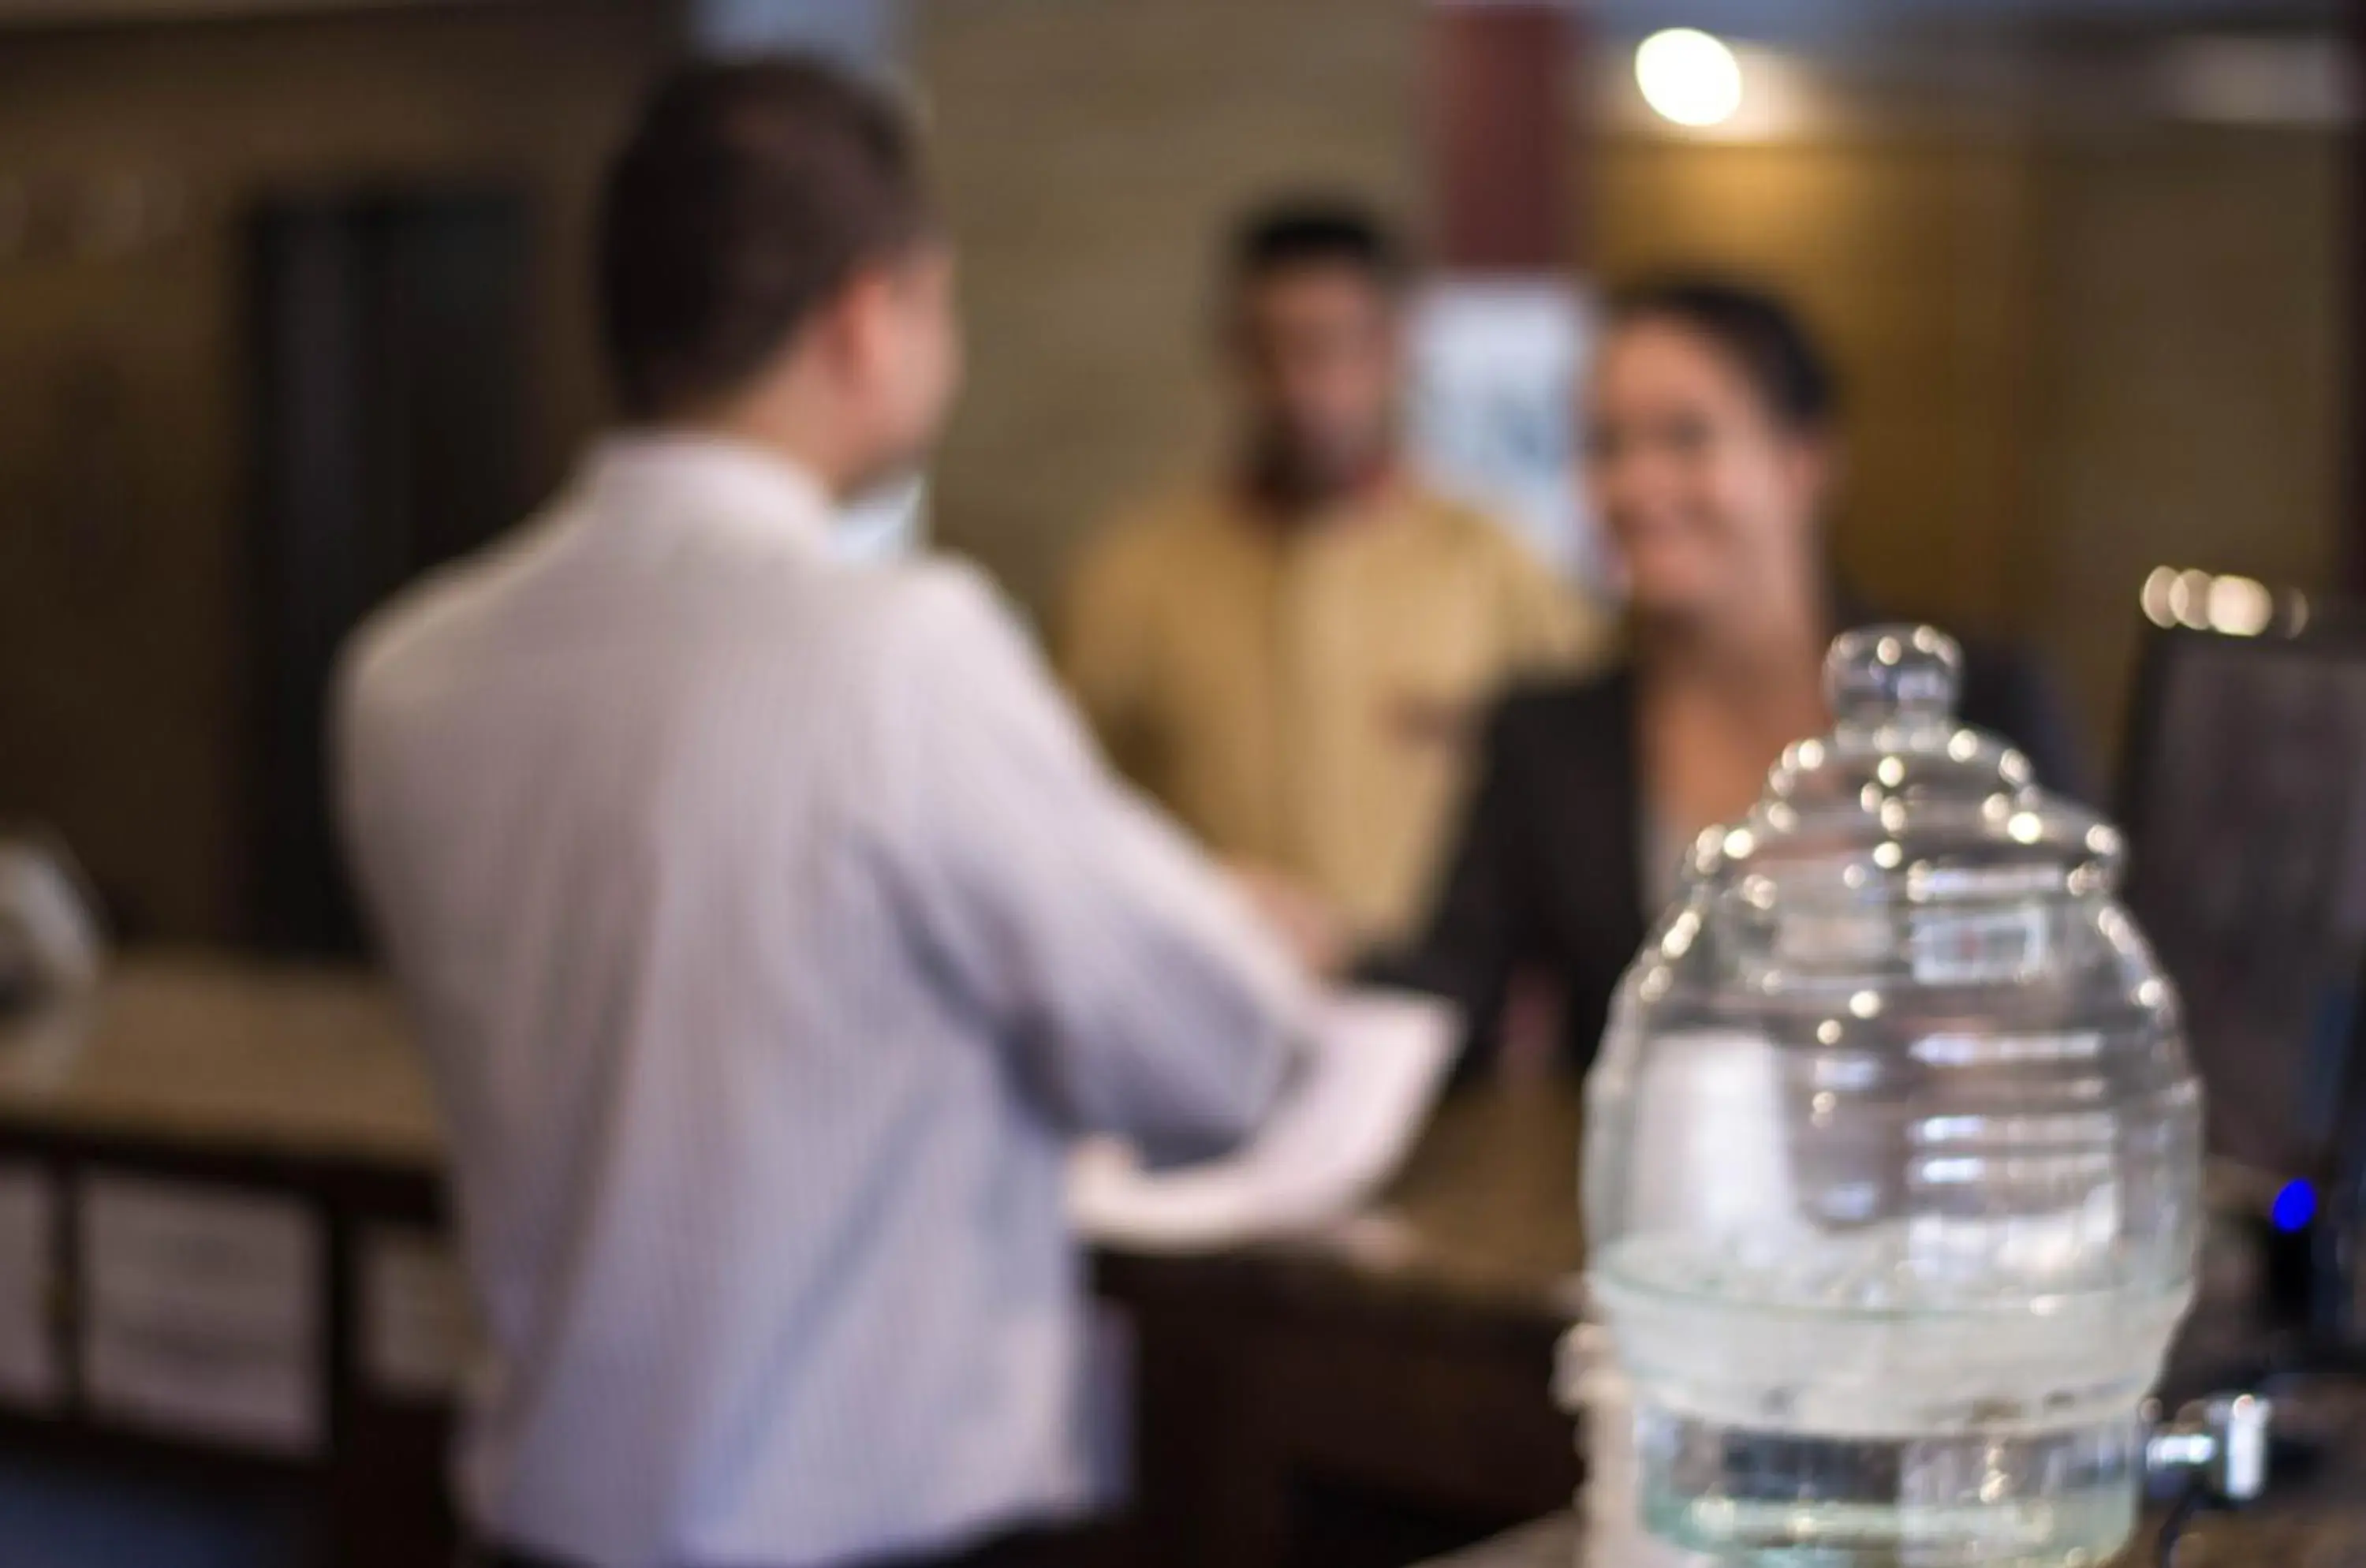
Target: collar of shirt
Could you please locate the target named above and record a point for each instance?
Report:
(710, 481)
(1370, 502)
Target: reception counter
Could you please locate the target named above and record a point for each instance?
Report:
(201, 1054)
(224, 1255)
(221, 1199)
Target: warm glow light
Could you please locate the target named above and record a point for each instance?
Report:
(2191, 597)
(2232, 607)
(1689, 76)
(2240, 607)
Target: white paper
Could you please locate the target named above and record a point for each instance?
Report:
(202, 1313)
(29, 1374)
(1377, 1061)
(418, 1328)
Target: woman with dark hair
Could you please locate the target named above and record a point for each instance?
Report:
(1711, 455)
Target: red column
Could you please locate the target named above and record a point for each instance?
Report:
(1499, 133)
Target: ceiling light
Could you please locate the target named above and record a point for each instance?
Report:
(1689, 76)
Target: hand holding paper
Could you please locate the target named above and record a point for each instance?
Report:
(1376, 1062)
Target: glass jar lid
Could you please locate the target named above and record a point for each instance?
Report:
(1902, 799)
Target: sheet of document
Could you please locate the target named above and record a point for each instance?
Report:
(1377, 1062)
(202, 1313)
(30, 1376)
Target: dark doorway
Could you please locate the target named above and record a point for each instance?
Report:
(390, 340)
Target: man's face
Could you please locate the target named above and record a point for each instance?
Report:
(1318, 351)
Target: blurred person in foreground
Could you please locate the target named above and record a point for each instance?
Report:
(1294, 656)
(1713, 450)
(770, 922)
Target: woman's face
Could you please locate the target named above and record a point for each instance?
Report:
(1707, 495)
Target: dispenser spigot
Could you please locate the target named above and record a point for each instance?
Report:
(2219, 1443)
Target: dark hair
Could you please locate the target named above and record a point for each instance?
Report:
(1763, 337)
(747, 195)
(1318, 232)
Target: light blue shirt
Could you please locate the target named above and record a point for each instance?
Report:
(772, 927)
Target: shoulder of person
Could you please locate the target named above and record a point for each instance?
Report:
(1509, 559)
(1556, 712)
(1469, 525)
(414, 627)
(934, 595)
(1145, 536)
(942, 619)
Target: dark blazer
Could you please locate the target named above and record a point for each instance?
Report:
(1546, 872)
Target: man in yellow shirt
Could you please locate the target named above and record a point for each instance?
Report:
(1293, 658)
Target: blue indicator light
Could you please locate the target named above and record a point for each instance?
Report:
(2295, 1206)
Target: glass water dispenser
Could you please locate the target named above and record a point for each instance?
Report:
(1893, 1159)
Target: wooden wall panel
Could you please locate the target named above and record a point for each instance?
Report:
(1909, 257)
(2191, 309)
(123, 488)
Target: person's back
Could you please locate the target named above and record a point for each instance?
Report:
(771, 926)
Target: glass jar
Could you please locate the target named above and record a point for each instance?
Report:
(1893, 1158)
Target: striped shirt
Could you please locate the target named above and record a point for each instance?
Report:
(771, 928)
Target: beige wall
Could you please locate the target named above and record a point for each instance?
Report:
(1092, 154)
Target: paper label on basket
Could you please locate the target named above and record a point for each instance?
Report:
(202, 1313)
(30, 1376)
(1376, 1063)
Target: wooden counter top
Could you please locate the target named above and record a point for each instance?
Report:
(230, 1056)
(1480, 1228)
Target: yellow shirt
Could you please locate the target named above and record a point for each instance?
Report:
(1307, 697)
